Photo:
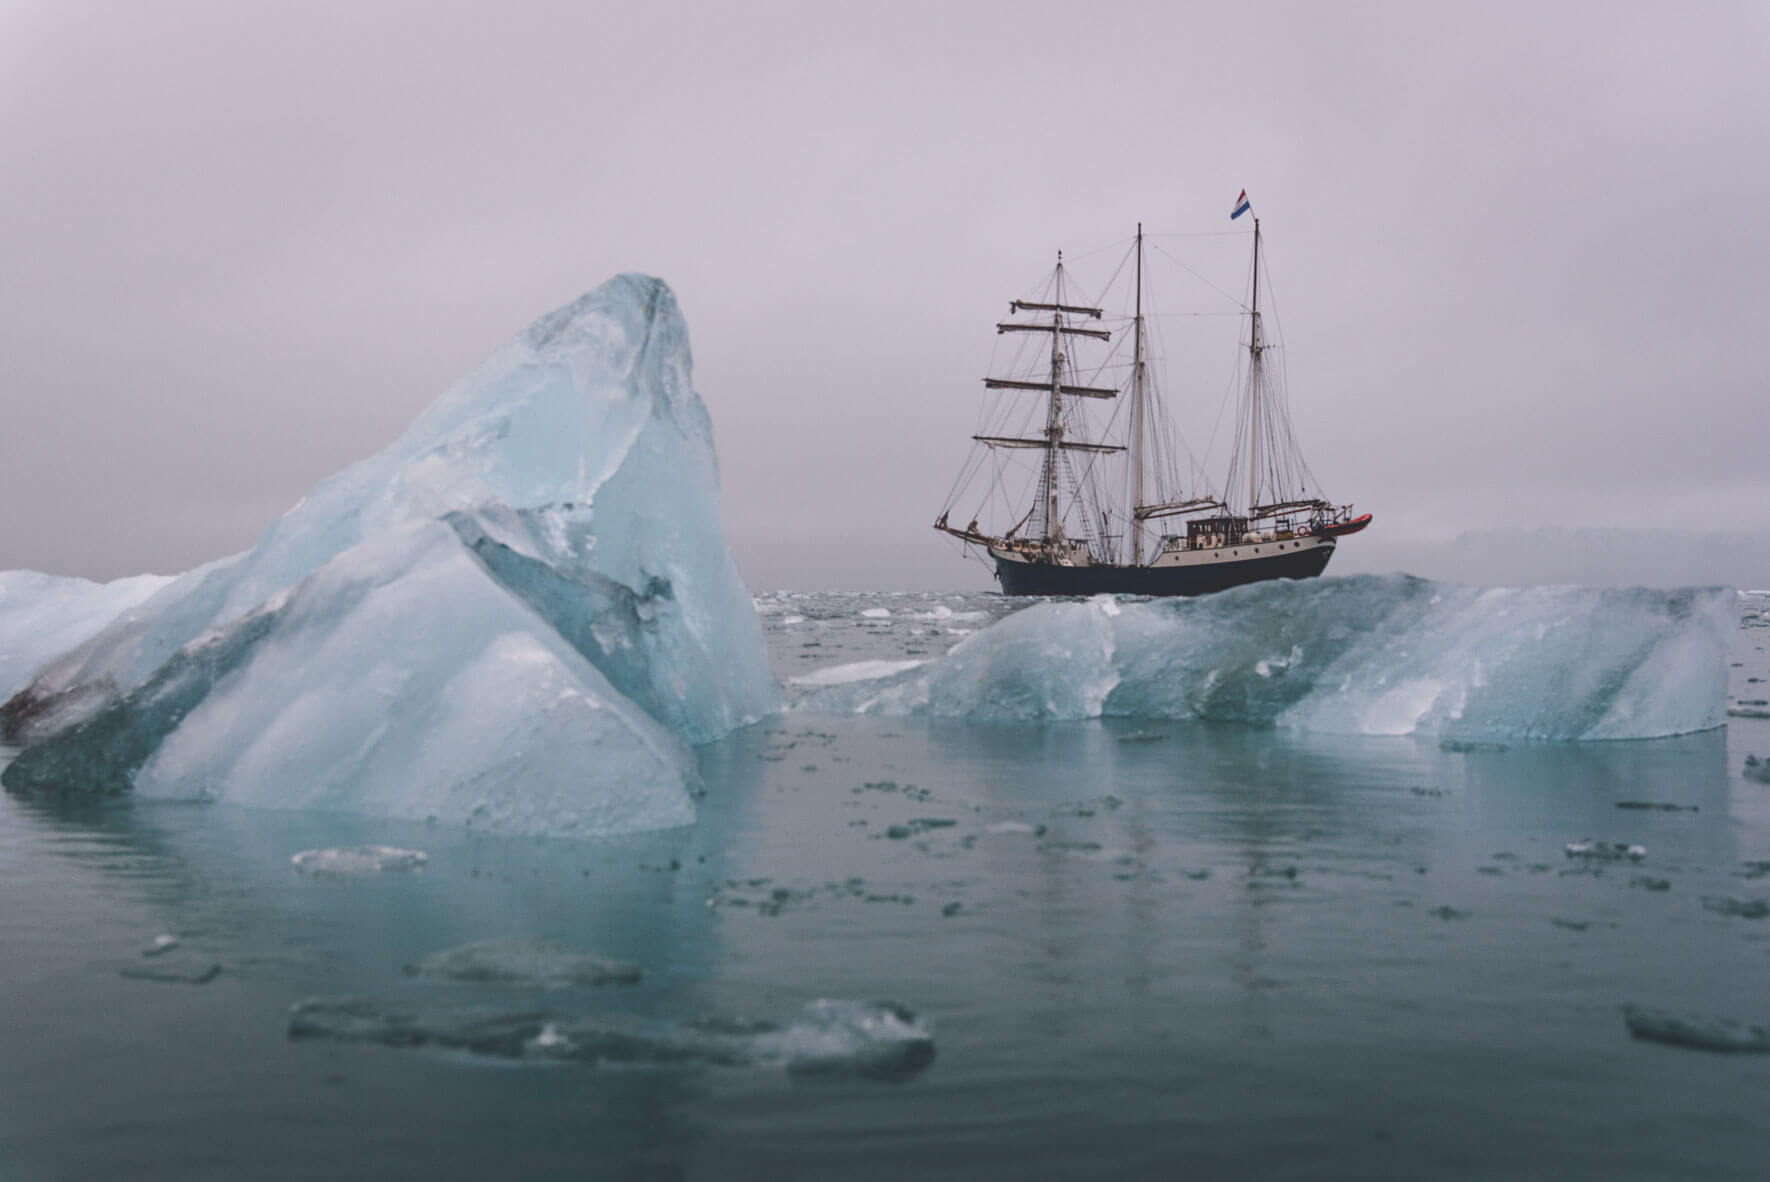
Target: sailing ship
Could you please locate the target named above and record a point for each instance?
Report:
(1087, 533)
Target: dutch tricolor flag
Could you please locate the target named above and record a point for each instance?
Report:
(1241, 205)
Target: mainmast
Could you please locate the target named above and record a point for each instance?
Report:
(1254, 350)
(1054, 416)
(1137, 418)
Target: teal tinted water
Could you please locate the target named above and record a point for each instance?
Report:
(1145, 951)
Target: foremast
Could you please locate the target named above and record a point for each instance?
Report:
(1053, 440)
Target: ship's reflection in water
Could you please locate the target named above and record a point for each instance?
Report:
(1142, 950)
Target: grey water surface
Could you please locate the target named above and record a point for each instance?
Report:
(1151, 950)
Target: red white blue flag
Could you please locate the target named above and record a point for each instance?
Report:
(1241, 206)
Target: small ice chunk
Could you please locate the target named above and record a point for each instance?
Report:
(194, 973)
(1742, 908)
(1696, 1032)
(163, 943)
(1605, 851)
(876, 613)
(357, 859)
(868, 1039)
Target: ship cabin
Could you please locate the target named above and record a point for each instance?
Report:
(1208, 533)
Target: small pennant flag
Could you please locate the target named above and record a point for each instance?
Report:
(1241, 206)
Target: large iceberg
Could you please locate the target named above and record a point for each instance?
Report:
(517, 616)
(43, 616)
(1377, 655)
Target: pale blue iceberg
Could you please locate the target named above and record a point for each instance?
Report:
(43, 616)
(517, 616)
(1375, 655)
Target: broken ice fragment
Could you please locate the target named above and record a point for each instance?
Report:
(357, 859)
(195, 973)
(1742, 908)
(1605, 851)
(1696, 1032)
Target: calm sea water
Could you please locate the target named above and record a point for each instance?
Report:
(1145, 950)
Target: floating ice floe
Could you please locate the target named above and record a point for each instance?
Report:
(1696, 1032)
(189, 971)
(1740, 908)
(1378, 655)
(1605, 851)
(162, 944)
(871, 1040)
(517, 616)
(358, 859)
(543, 964)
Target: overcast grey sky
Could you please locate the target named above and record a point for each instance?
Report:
(1522, 250)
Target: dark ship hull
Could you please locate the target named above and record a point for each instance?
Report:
(1050, 578)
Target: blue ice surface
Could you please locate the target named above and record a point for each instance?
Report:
(518, 616)
(1373, 655)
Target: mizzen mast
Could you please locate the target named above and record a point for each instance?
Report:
(1255, 349)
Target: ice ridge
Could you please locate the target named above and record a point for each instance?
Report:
(518, 615)
(1378, 655)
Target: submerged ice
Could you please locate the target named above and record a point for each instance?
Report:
(870, 1040)
(517, 616)
(1378, 655)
